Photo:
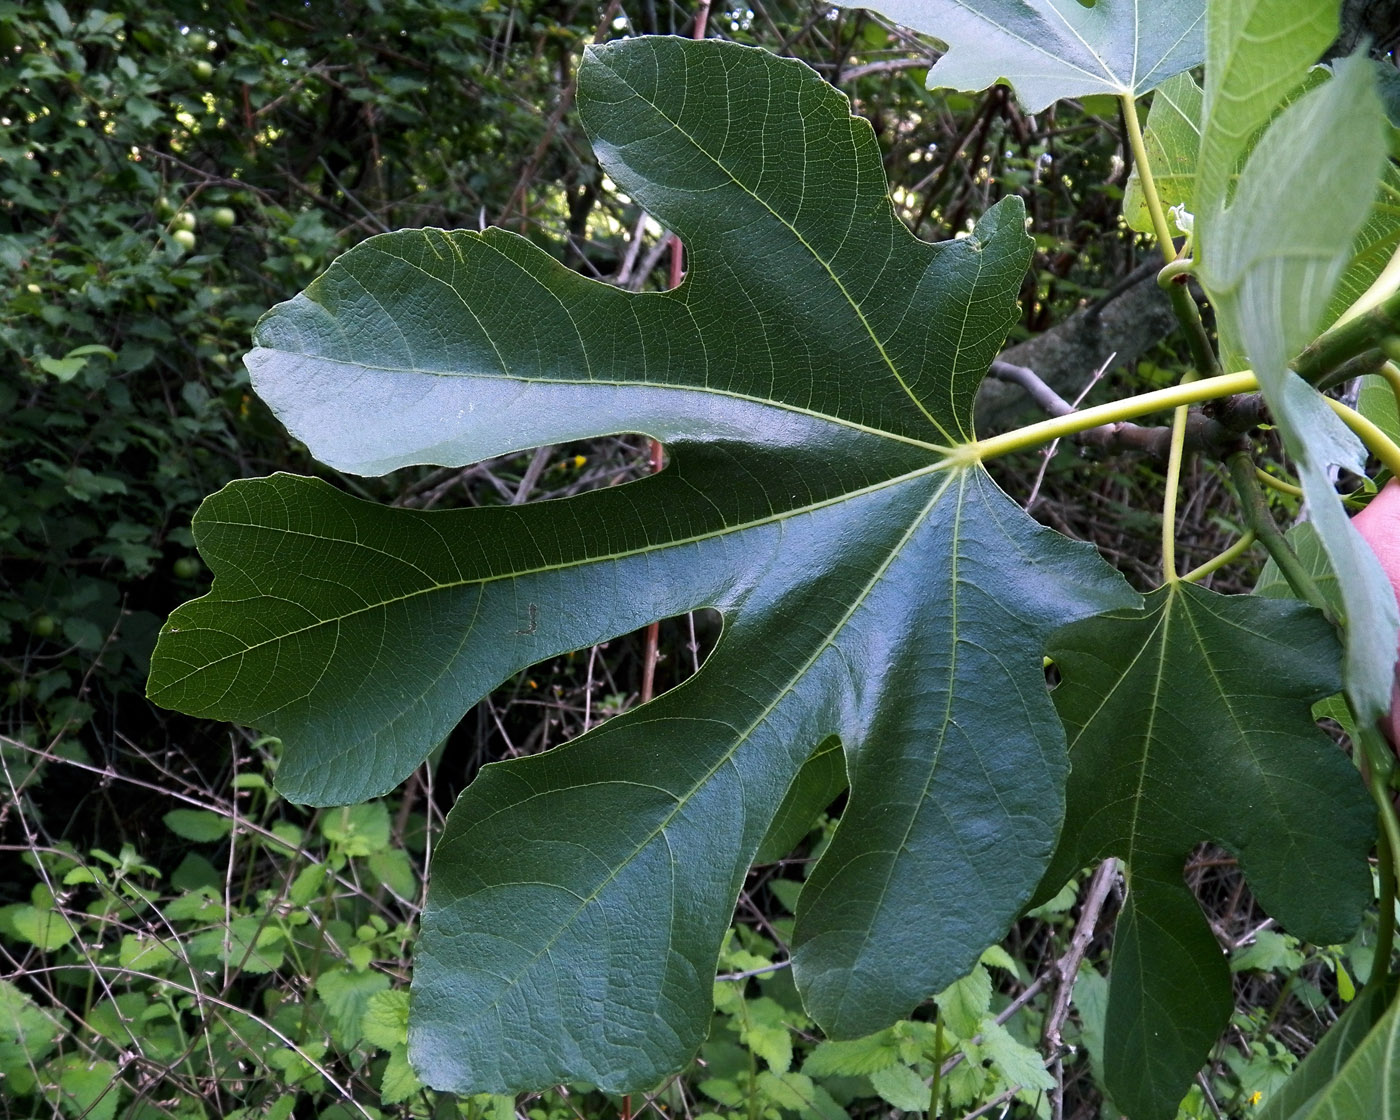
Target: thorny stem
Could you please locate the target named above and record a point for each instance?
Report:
(1261, 521)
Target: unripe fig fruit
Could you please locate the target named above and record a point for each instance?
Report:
(1379, 526)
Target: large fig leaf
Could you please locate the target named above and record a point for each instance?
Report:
(813, 382)
(1191, 722)
(1049, 49)
(1270, 262)
(1256, 53)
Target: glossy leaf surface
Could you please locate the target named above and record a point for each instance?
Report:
(1191, 723)
(1050, 49)
(813, 381)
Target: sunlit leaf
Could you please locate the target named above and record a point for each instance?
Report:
(1050, 49)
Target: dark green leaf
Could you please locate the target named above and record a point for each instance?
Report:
(813, 381)
(1188, 723)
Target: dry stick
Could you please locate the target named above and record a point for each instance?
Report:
(1067, 968)
(1049, 452)
(532, 474)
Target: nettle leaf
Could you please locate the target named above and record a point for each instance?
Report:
(1270, 263)
(1190, 722)
(1050, 49)
(813, 381)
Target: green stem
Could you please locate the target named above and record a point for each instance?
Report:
(1229, 556)
(1145, 180)
(1174, 460)
(1385, 904)
(1189, 316)
(1391, 373)
(1278, 484)
(937, 1084)
(1258, 517)
(1058, 427)
(1348, 339)
(1377, 442)
(1379, 761)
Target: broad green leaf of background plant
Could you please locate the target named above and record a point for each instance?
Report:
(811, 379)
(1190, 722)
(1050, 49)
(1270, 263)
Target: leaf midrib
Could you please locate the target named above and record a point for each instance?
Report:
(613, 383)
(826, 265)
(739, 740)
(772, 519)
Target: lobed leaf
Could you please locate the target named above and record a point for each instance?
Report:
(1051, 49)
(813, 380)
(1191, 722)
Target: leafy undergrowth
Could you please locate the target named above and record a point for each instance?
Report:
(250, 959)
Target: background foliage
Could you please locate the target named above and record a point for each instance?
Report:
(177, 941)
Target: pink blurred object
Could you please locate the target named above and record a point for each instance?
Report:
(1379, 524)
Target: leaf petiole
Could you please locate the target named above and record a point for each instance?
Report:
(1149, 186)
(1057, 427)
